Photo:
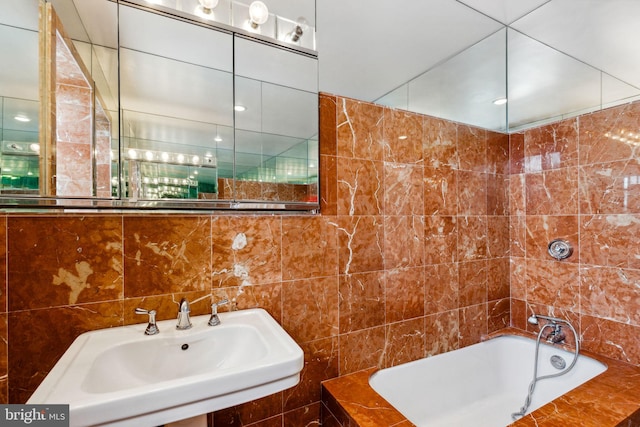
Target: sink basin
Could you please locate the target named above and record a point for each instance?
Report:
(121, 377)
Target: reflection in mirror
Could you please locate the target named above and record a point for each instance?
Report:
(177, 107)
(79, 72)
(19, 98)
(463, 89)
(276, 126)
(79, 109)
(543, 84)
(548, 85)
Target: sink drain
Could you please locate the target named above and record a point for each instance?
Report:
(184, 346)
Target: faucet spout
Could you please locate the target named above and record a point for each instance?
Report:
(184, 322)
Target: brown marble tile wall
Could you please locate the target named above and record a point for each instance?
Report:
(579, 180)
(428, 227)
(409, 258)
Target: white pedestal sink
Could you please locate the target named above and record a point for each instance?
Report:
(121, 377)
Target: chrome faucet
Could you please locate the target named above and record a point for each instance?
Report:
(152, 327)
(214, 320)
(556, 335)
(183, 315)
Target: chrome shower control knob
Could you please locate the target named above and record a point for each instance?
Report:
(560, 249)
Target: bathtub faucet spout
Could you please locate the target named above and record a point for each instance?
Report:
(556, 335)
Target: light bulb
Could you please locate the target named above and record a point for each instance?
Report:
(301, 27)
(258, 14)
(205, 8)
(208, 4)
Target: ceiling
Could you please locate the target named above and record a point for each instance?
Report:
(452, 58)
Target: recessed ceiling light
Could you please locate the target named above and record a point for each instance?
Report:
(240, 108)
(22, 118)
(500, 101)
(402, 137)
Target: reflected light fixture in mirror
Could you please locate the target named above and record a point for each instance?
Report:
(258, 14)
(240, 108)
(301, 26)
(500, 101)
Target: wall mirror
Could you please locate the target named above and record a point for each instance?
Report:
(137, 107)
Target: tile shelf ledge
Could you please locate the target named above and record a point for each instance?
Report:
(611, 399)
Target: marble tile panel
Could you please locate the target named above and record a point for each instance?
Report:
(4, 357)
(543, 229)
(405, 342)
(472, 283)
(499, 315)
(516, 153)
(440, 191)
(519, 314)
(166, 255)
(497, 153)
(307, 416)
(612, 339)
(610, 293)
(310, 308)
(442, 332)
(602, 134)
(440, 143)
(552, 192)
(403, 193)
(472, 193)
(551, 146)
(517, 195)
(404, 294)
(440, 239)
(309, 247)
(360, 129)
(517, 235)
(361, 350)
(610, 240)
(250, 412)
(361, 301)
(320, 364)
(403, 241)
(403, 134)
(71, 259)
(441, 288)
(553, 283)
(36, 347)
(328, 124)
(472, 148)
(360, 243)
(472, 238)
(268, 297)
(498, 283)
(473, 324)
(328, 185)
(498, 244)
(246, 250)
(518, 278)
(360, 187)
(72, 95)
(166, 306)
(357, 403)
(498, 191)
(610, 188)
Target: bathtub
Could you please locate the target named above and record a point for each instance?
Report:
(479, 385)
